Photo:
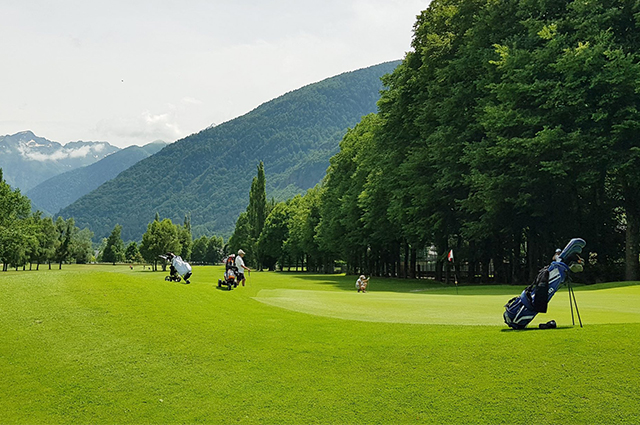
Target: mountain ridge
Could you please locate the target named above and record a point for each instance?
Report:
(63, 189)
(27, 160)
(208, 174)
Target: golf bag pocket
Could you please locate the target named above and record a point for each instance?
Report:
(516, 314)
(540, 291)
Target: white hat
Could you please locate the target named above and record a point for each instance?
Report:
(240, 252)
(558, 250)
(362, 277)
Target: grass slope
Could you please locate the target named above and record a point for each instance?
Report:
(102, 344)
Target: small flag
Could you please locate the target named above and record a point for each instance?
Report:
(450, 256)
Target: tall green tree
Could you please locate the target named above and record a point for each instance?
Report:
(82, 246)
(242, 239)
(273, 236)
(15, 229)
(199, 250)
(47, 241)
(257, 209)
(186, 240)
(114, 249)
(132, 253)
(65, 230)
(215, 250)
(160, 238)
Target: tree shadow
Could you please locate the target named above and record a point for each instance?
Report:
(430, 286)
(409, 286)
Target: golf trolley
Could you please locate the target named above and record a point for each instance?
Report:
(520, 310)
(177, 267)
(230, 275)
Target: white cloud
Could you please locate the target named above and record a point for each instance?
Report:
(145, 127)
(30, 152)
(211, 61)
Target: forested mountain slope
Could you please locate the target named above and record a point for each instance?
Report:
(208, 174)
(63, 189)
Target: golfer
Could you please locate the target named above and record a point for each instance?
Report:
(361, 283)
(241, 267)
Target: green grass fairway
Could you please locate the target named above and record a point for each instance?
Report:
(445, 306)
(105, 344)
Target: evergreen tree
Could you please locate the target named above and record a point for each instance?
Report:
(186, 240)
(257, 208)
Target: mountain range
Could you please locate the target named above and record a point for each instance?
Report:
(208, 175)
(62, 190)
(27, 160)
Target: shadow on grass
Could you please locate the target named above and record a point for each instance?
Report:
(537, 329)
(430, 286)
(598, 286)
(412, 286)
(223, 288)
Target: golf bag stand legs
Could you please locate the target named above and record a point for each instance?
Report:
(572, 301)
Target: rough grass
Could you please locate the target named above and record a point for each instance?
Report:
(103, 344)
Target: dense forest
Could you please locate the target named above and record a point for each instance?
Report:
(509, 128)
(208, 174)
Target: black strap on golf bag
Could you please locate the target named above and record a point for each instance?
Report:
(540, 290)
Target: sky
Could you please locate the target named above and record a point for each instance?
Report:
(135, 71)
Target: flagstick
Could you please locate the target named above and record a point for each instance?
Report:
(453, 265)
(455, 277)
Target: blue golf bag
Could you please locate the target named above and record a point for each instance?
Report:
(521, 310)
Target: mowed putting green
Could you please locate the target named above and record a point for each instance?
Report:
(467, 306)
(106, 344)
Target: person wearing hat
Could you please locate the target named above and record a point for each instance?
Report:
(241, 267)
(556, 256)
(361, 283)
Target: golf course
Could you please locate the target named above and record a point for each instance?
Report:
(107, 344)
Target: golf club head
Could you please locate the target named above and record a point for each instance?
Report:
(574, 246)
(570, 257)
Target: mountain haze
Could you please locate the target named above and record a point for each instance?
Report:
(63, 189)
(27, 160)
(208, 174)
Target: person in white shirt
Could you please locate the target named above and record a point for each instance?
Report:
(361, 283)
(241, 267)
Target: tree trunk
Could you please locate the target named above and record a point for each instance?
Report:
(405, 272)
(414, 255)
(631, 246)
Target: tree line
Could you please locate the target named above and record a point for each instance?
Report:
(508, 129)
(161, 237)
(28, 238)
